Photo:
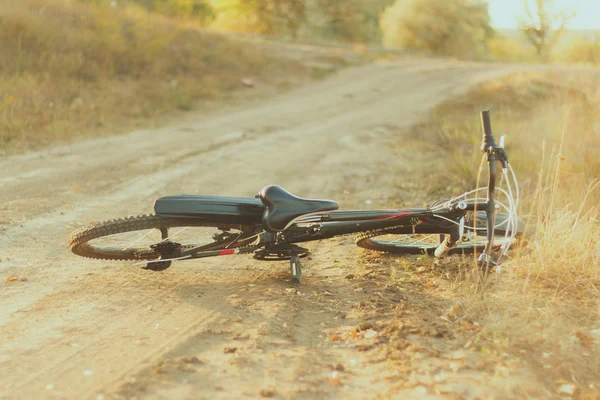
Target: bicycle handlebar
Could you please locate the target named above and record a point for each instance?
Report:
(488, 144)
(494, 153)
(488, 138)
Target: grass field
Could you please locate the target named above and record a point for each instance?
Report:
(545, 305)
(71, 70)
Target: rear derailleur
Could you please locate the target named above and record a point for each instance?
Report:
(167, 251)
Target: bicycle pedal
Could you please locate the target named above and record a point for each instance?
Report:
(296, 269)
(157, 266)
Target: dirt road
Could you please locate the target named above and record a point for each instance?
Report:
(229, 327)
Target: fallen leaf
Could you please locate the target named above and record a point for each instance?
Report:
(12, 279)
(585, 339)
(191, 360)
(334, 338)
(267, 392)
(353, 335)
(335, 381)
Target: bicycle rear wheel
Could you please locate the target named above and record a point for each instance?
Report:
(475, 241)
(132, 238)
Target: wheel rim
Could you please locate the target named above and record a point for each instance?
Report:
(420, 243)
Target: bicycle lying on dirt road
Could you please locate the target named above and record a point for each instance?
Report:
(271, 225)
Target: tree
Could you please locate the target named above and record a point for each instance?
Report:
(348, 20)
(197, 9)
(448, 27)
(270, 17)
(277, 16)
(543, 28)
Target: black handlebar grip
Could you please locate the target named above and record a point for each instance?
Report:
(488, 138)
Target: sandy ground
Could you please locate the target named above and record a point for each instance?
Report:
(230, 327)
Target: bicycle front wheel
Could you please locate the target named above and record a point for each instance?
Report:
(475, 241)
(133, 238)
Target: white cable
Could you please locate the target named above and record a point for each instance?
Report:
(454, 199)
(512, 220)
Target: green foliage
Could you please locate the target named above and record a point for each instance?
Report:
(342, 20)
(447, 27)
(276, 16)
(349, 20)
(199, 10)
(270, 17)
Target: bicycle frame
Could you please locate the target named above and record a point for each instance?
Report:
(332, 224)
(449, 219)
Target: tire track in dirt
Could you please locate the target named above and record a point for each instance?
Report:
(329, 139)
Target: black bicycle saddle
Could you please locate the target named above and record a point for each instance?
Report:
(282, 207)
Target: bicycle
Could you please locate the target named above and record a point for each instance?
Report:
(271, 225)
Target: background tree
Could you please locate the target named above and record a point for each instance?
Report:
(348, 20)
(276, 16)
(199, 10)
(340, 20)
(448, 27)
(269, 17)
(543, 28)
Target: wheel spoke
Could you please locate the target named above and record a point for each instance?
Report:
(132, 238)
(139, 240)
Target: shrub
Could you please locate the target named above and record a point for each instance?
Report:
(580, 50)
(507, 49)
(447, 27)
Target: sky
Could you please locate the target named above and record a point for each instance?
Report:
(504, 13)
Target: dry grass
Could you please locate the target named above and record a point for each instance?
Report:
(544, 307)
(71, 70)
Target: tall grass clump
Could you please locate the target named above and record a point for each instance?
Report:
(544, 306)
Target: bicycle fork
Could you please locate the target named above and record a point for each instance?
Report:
(451, 241)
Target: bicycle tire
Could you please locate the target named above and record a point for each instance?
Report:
(79, 241)
(374, 240)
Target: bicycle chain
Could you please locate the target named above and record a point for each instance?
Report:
(373, 233)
